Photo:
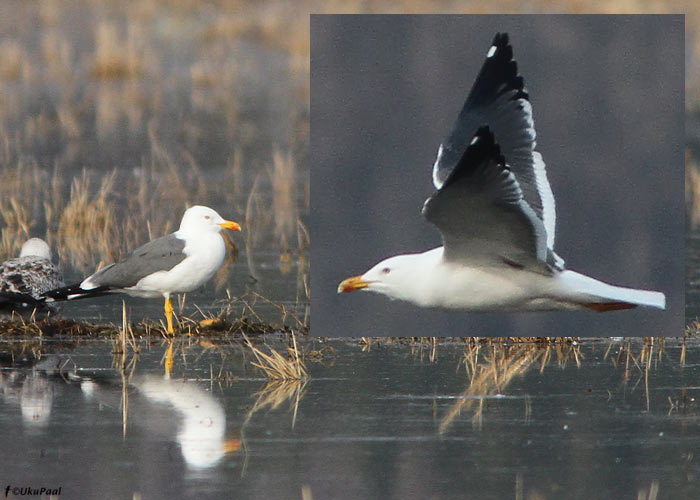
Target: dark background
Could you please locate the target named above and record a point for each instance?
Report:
(607, 95)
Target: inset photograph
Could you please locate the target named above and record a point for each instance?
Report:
(497, 175)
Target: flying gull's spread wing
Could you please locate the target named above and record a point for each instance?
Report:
(499, 100)
(482, 215)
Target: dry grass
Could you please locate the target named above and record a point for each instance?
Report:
(637, 366)
(284, 198)
(15, 227)
(277, 392)
(490, 369)
(277, 366)
(83, 225)
(88, 223)
(117, 56)
(243, 316)
(57, 53)
(692, 189)
(282, 217)
(12, 60)
(239, 316)
(230, 322)
(126, 336)
(52, 327)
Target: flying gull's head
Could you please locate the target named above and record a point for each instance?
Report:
(200, 219)
(36, 247)
(395, 277)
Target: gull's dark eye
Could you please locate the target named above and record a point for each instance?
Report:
(386, 270)
(207, 217)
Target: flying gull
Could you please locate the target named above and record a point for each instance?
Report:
(177, 263)
(495, 210)
(25, 279)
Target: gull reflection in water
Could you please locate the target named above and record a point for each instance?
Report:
(202, 431)
(36, 398)
(32, 389)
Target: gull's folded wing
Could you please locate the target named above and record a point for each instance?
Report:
(161, 254)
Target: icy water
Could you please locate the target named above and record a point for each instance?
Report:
(597, 420)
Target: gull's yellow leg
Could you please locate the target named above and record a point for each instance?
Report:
(169, 360)
(169, 314)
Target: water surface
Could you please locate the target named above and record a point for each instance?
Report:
(598, 420)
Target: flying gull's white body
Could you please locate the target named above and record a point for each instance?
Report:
(449, 285)
(496, 212)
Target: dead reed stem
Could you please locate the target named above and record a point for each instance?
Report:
(278, 367)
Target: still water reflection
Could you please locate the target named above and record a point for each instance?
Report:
(384, 420)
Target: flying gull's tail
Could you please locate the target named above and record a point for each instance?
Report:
(602, 297)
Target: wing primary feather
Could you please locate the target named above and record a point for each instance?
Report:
(74, 291)
(498, 99)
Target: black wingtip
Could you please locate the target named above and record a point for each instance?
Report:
(500, 40)
(63, 292)
(503, 51)
(498, 75)
(74, 292)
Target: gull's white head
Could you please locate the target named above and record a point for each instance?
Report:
(397, 277)
(200, 219)
(36, 247)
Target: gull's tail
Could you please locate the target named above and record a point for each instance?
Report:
(72, 292)
(598, 296)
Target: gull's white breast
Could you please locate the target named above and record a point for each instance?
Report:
(205, 254)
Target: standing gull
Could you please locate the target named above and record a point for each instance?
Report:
(495, 210)
(177, 263)
(25, 279)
